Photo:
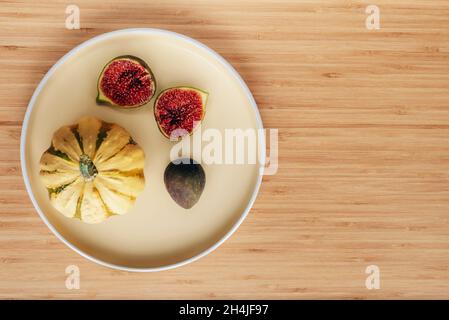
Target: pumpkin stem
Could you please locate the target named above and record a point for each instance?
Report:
(87, 168)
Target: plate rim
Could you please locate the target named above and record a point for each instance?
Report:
(224, 63)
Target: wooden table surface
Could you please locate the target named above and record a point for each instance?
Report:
(363, 119)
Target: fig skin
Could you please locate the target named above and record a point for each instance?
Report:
(204, 97)
(101, 98)
(185, 181)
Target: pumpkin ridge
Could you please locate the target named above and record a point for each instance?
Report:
(102, 134)
(78, 204)
(116, 138)
(50, 163)
(130, 173)
(130, 186)
(92, 209)
(121, 193)
(130, 158)
(107, 159)
(88, 129)
(64, 140)
(109, 212)
(56, 171)
(66, 200)
(76, 133)
(56, 191)
(58, 153)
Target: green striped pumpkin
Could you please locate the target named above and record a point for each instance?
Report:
(92, 170)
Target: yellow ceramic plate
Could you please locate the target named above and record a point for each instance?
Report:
(156, 234)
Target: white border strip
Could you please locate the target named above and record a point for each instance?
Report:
(39, 88)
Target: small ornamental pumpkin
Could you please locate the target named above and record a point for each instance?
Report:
(92, 170)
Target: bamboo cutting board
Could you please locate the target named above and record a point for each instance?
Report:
(363, 178)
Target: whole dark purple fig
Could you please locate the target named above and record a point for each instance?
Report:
(185, 180)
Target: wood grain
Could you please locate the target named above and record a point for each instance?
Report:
(363, 120)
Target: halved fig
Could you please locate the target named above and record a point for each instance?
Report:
(127, 82)
(179, 110)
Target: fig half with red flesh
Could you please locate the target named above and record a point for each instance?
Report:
(179, 110)
(127, 82)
